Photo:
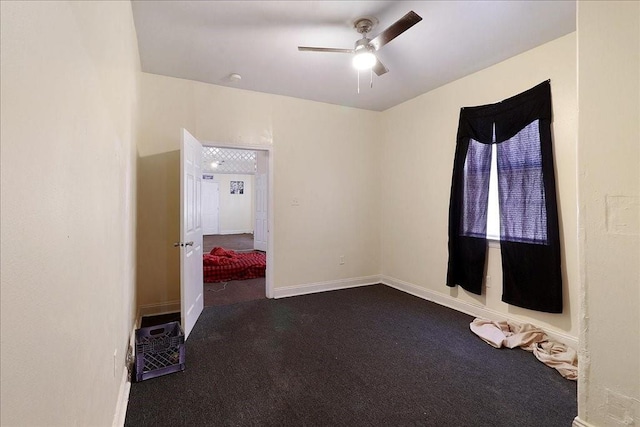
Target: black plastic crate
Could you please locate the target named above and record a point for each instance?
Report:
(159, 351)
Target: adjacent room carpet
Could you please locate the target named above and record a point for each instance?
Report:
(234, 291)
(237, 242)
(363, 356)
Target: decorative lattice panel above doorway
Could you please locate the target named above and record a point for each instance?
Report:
(228, 160)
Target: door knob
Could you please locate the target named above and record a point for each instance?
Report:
(176, 244)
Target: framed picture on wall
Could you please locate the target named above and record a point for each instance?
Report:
(237, 187)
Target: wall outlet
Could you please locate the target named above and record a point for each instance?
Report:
(487, 281)
(620, 407)
(295, 202)
(341, 259)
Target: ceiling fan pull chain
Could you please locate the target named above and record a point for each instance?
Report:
(358, 82)
(371, 77)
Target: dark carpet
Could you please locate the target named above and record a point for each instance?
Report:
(366, 356)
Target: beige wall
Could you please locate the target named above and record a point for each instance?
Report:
(236, 210)
(325, 156)
(609, 196)
(158, 219)
(419, 146)
(69, 85)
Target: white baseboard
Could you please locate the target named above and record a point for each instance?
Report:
(332, 285)
(470, 309)
(155, 309)
(577, 422)
(125, 383)
(123, 400)
(236, 231)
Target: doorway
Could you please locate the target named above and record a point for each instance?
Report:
(239, 179)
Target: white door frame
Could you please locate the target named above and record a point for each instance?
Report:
(270, 217)
(261, 210)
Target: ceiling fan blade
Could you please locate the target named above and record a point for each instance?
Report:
(397, 28)
(324, 49)
(379, 68)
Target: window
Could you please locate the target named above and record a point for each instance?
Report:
(481, 218)
(493, 208)
(503, 188)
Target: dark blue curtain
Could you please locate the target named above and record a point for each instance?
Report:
(529, 233)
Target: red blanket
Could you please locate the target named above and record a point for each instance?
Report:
(222, 265)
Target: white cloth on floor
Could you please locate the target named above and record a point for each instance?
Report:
(528, 337)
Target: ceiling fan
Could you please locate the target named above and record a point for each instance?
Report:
(364, 57)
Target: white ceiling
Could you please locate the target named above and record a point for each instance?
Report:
(206, 41)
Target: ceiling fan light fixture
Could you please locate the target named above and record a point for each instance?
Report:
(364, 60)
(363, 52)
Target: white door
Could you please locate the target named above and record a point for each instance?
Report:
(191, 284)
(260, 232)
(210, 206)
